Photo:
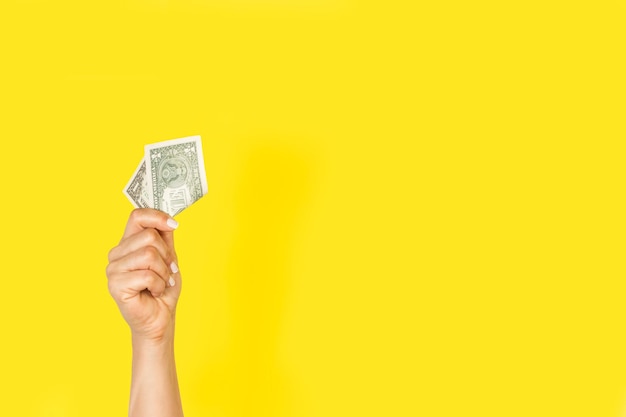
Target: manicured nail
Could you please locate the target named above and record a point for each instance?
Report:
(172, 282)
(174, 267)
(172, 223)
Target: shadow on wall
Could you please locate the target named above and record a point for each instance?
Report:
(274, 185)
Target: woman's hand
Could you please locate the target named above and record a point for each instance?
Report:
(143, 275)
(145, 283)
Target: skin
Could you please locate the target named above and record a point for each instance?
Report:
(139, 272)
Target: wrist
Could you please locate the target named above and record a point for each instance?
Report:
(154, 386)
(161, 342)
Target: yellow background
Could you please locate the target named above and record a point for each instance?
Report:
(414, 208)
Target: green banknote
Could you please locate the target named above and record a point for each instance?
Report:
(171, 176)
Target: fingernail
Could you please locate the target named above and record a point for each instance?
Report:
(172, 282)
(172, 223)
(174, 267)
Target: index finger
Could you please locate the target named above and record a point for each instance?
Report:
(143, 218)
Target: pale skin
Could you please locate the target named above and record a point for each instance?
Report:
(145, 282)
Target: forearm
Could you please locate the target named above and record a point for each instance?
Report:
(154, 388)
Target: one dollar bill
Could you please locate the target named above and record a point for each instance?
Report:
(171, 176)
(137, 188)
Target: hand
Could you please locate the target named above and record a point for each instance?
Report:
(143, 275)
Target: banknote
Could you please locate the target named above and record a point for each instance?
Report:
(175, 174)
(137, 188)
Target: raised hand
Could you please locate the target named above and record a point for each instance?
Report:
(143, 274)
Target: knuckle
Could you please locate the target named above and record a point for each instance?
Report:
(135, 215)
(108, 270)
(111, 287)
(150, 254)
(110, 254)
(148, 278)
(151, 236)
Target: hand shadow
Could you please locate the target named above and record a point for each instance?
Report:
(273, 187)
